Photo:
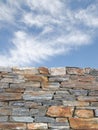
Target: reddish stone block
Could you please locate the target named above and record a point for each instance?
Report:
(43, 70)
(84, 113)
(60, 111)
(13, 126)
(80, 123)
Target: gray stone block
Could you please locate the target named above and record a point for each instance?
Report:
(40, 111)
(5, 69)
(20, 112)
(38, 95)
(59, 126)
(78, 92)
(3, 118)
(44, 119)
(21, 119)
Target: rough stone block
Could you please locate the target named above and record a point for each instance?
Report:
(93, 72)
(12, 126)
(39, 111)
(59, 126)
(75, 103)
(21, 119)
(12, 80)
(80, 123)
(78, 92)
(61, 120)
(29, 84)
(58, 71)
(43, 70)
(74, 70)
(58, 78)
(37, 126)
(4, 85)
(84, 113)
(96, 112)
(3, 118)
(44, 119)
(5, 69)
(10, 96)
(5, 111)
(26, 70)
(51, 86)
(93, 93)
(88, 98)
(38, 95)
(3, 104)
(60, 111)
(20, 112)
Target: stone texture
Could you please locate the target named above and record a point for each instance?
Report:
(74, 70)
(75, 103)
(93, 93)
(39, 111)
(59, 126)
(60, 111)
(64, 98)
(58, 78)
(88, 98)
(3, 118)
(21, 119)
(5, 111)
(58, 71)
(43, 70)
(61, 120)
(44, 119)
(12, 126)
(26, 70)
(35, 95)
(78, 92)
(84, 113)
(10, 96)
(51, 86)
(5, 69)
(80, 123)
(37, 126)
(20, 112)
(96, 112)
(4, 85)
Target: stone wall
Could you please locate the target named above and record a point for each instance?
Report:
(48, 99)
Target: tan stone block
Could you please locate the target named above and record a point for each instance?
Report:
(43, 70)
(61, 120)
(58, 71)
(80, 123)
(14, 90)
(37, 126)
(12, 126)
(5, 111)
(60, 111)
(26, 70)
(10, 96)
(88, 98)
(84, 113)
(75, 103)
(74, 70)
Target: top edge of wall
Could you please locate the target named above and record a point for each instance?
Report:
(50, 71)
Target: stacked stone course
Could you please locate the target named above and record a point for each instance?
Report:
(64, 98)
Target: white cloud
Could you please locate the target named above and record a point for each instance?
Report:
(57, 29)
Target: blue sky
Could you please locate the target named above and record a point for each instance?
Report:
(49, 33)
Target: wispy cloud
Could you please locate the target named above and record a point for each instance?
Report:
(40, 32)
